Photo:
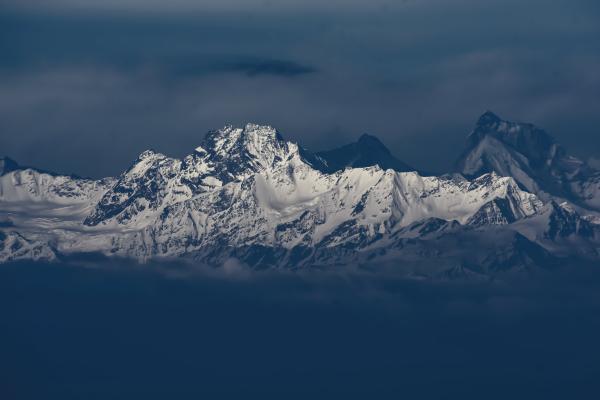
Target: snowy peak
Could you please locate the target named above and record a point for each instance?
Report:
(252, 138)
(149, 154)
(25, 185)
(237, 152)
(531, 156)
(534, 143)
(230, 154)
(366, 152)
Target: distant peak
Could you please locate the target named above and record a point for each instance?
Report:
(7, 165)
(7, 160)
(367, 151)
(488, 118)
(371, 141)
(365, 137)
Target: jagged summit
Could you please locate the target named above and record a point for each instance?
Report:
(494, 140)
(235, 151)
(367, 139)
(228, 137)
(252, 140)
(367, 151)
(488, 118)
(529, 154)
(528, 139)
(150, 153)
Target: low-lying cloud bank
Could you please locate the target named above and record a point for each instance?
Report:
(123, 331)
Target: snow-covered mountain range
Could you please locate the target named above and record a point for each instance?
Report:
(517, 201)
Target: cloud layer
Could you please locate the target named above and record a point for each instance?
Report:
(121, 331)
(416, 74)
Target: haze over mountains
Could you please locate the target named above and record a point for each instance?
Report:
(516, 202)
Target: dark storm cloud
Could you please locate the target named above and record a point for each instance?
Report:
(270, 67)
(80, 77)
(249, 66)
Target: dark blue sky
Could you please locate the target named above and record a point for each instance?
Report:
(85, 86)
